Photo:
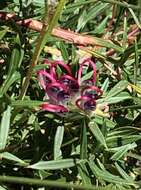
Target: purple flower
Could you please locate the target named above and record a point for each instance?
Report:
(64, 89)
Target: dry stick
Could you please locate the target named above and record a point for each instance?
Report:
(66, 35)
(57, 32)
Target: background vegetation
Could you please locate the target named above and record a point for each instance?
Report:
(71, 152)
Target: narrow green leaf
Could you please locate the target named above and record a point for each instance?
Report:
(124, 174)
(109, 123)
(26, 103)
(107, 176)
(83, 172)
(12, 157)
(16, 57)
(87, 76)
(4, 128)
(126, 139)
(2, 188)
(64, 52)
(119, 87)
(97, 133)
(116, 99)
(81, 20)
(106, 43)
(83, 143)
(58, 142)
(40, 3)
(136, 64)
(8, 82)
(135, 18)
(125, 37)
(122, 151)
(54, 164)
(15, 62)
(100, 28)
(2, 33)
(91, 14)
(105, 85)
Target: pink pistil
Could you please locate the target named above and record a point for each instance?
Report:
(71, 84)
(82, 100)
(41, 74)
(90, 63)
(65, 66)
(91, 88)
(53, 89)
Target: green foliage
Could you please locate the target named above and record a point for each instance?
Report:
(76, 151)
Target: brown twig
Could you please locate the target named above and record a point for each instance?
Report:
(66, 35)
(57, 32)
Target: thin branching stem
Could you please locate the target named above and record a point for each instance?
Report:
(41, 41)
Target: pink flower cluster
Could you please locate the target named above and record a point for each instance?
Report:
(61, 89)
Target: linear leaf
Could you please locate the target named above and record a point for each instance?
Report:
(2, 33)
(2, 188)
(122, 151)
(105, 85)
(8, 82)
(116, 99)
(91, 14)
(107, 176)
(16, 57)
(54, 164)
(84, 173)
(97, 133)
(12, 157)
(58, 142)
(83, 145)
(124, 174)
(119, 87)
(64, 52)
(4, 128)
(26, 103)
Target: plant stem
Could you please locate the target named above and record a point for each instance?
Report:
(49, 183)
(41, 41)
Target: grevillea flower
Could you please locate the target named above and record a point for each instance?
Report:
(65, 89)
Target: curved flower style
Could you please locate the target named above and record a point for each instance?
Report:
(64, 89)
